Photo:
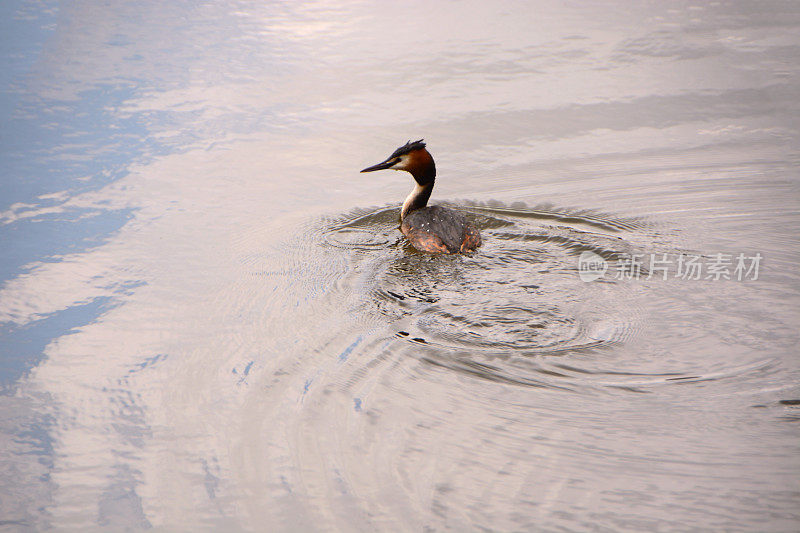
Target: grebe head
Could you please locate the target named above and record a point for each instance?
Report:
(413, 158)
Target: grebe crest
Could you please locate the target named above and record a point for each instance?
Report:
(431, 229)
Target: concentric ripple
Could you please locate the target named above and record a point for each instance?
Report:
(503, 312)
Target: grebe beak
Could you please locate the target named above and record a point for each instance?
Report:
(380, 166)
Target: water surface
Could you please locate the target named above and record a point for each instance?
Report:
(210, 320)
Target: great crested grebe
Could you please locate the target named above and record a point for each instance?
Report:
(431, 229)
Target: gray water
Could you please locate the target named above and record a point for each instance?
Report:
(210, 321)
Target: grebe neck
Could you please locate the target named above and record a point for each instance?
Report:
(417, 199)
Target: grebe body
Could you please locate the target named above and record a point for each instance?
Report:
(432, 229)
(436, 229)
